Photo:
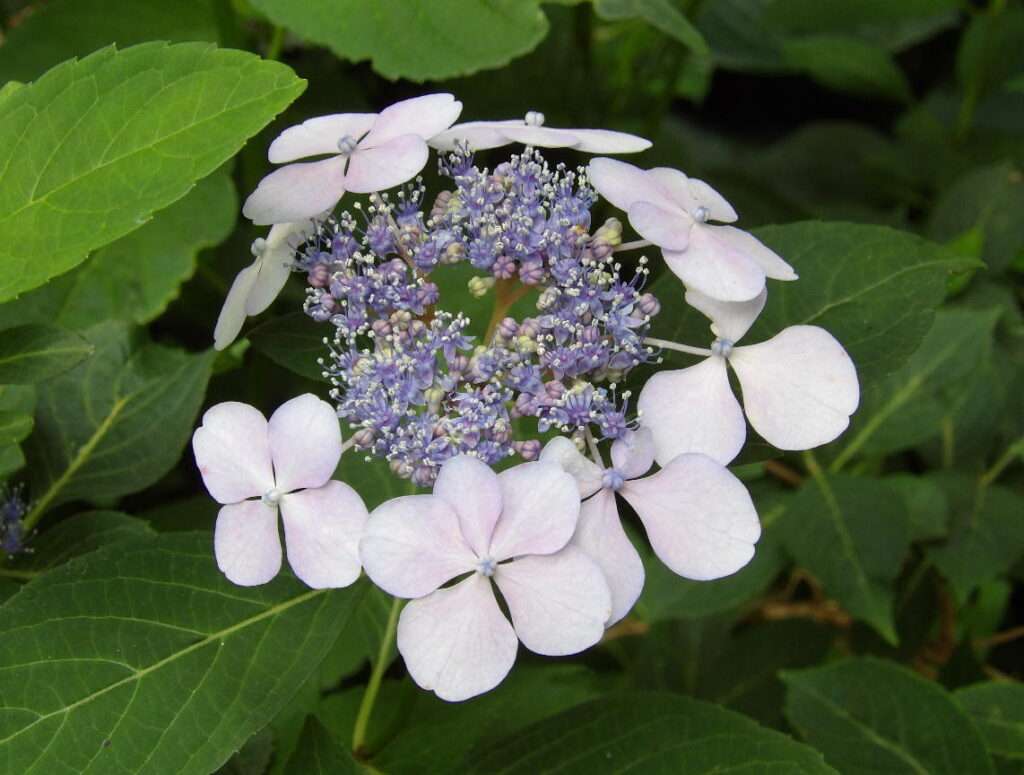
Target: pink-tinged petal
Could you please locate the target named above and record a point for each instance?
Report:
(540, 506)
(322, 528)
(542, 136)
(691, 194)
(693, 410)
(799, 388)
(746, 243)
(386, 166)
(608, 141)
(456, 641)
(699, 517)
(559, 603)
(668, 229)
(232, 450)
(305, 442)
(471, 488)
(275, 264)
(424, 117)
(730, 319)
(480, 135)
(713, 267)
(232, 314)
(318, 135)
(601, 537)
(413, 544)
(633, 454)
(623, 185)
(246, 543)
(717, 206)
(563, 452)
(675, 185)
(297, 192)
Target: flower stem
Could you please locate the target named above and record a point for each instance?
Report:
(1011, 454)
(665, 344)
(376, 677)
(635, 245)
(275, 44)
(506, 293)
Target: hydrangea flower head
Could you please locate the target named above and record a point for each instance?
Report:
(508, 530)
(256, 468)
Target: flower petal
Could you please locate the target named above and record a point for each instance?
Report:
(479, 135)
(297, 192)
(799, 388)
(471, 488)
(232, 314)
(322, 528)
(413, 544)
(275, 264)
(232, 450)
(718, 207)
(456, 642)
(730, 319)
(623, 185)
(693, 410)
(561, 451)
(387, 165)
(542, 136)
(305, 442)
(699, 517)
(771, 263)
(601, 537)
(559, 603)
(716, 269)
(540, 506)
(318, 135)
(246, 543)
(633, 454)
(609, 141)
(691, 193)
(424, 117)
(668, 229)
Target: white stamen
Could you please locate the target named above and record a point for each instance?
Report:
(534, 118)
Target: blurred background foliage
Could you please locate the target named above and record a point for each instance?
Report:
(882, 616)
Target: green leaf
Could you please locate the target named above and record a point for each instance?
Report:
(419, 41)
(93, 148)
(649, 733)
(986, 535)
(136, 277)
(874, 288)
(82, 534)
(317, 753)
(142, 658)
(35, 353)
(990, 50)
(926, 504)
(870, 716)
(849, 65)
(116, 423)
(661, 14)
(853, 535)
(294, 341)
(998, 710)
(63, 29)
(17, 402)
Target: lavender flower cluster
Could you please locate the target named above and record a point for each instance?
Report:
(406, 374)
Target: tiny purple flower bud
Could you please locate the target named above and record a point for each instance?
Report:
(507, 328)
(528, 450)
(649, 305)
(319, 276)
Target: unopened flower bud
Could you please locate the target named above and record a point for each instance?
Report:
(318, 276)
(610, 233)
(528, 450)
(423, 476)
(363, 438)
(441, 204)
(507, 328)
(648, 304)
(479, 286)
(381, 328)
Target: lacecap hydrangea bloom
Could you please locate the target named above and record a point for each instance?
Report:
(504, 424)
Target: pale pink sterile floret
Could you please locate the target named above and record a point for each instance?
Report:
(367, 152)
(672, 211)
(257, 468)
(482, 135)
(480, 527)
(698, 516)
(799, 389)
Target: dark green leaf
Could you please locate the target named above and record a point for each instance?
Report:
(650, 733)
(870, 716)
(926, 505)
(847, 64)
(143, 658)
(661, 14)
(92, 149)
(990, 50)
(317, 753)
(17, 402)
(998, 710)
(294, 341)
(82, 534)
(34, 353)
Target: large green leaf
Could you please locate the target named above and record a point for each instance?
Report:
(93, 148)
(296, 342)
(852, 534)
(847, 64)
(34, 353)
(870, 716)
(17, 402)
(998, 710)
(81, 534)
(135, 277)
(317, 753)
(418, 40)
(142, 658)
(116, 423)
(648, 733)
(662, 14)
(62, 29)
